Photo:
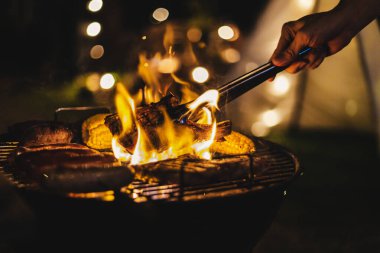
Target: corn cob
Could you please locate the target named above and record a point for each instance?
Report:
(95, 133)
(235, 143)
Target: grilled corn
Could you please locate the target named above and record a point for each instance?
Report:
(95, 133)
(235, 143)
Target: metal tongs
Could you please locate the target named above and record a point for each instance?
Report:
(244, 83)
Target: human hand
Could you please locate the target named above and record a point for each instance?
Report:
(326, 33)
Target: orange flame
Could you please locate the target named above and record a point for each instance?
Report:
(175, 139)
(158, 74)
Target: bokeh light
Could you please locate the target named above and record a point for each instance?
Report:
(93, 29)
(93, 81)
(306, 5)
(97, 52)
(259, 129)
(95, 5)
(271, 118)
(107, 81)
(160, 14)
(200, 74)
(194, 34)
(226, 32)
(280, 85)
(230, 55)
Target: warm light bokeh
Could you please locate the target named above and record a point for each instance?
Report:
(95, 5)
(97, 52)
(226, 32)
(107, 81)
(93, 29)
(200, 74)
(160, 14)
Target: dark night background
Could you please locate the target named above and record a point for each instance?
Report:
(331, 208)
(42, 40)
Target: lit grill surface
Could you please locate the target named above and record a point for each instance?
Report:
(276, 167)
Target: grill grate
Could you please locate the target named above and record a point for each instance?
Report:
(280, 166)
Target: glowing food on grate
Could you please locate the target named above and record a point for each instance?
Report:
(190, 170)
(234, 144)
(71, 168)
(95, 133)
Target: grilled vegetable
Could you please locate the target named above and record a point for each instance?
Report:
(235, 143)
(95, 133)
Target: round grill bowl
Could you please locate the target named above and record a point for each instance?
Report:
(224, 217)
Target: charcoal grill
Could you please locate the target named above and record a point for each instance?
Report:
(227, 216)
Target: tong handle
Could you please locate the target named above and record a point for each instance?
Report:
(241, 85)
(244, 83)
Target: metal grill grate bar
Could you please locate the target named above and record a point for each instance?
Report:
(279, 167)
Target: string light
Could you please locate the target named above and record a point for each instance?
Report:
(143, 37)
(200, 74)
(96, 52)
(107, 81)
(93, 29)
(95, 5)
(226, 32)
(160, 14)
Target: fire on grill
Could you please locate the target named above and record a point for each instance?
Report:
(157, 142)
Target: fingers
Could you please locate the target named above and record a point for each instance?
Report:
(317, 62)
(296, 67)
(288, 33)
(312, 60)
(316, 57)
(271, 79)
(290, 54)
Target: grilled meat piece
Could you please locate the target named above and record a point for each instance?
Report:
(70, 168)
(55, 146)
(34, 132)
(190, 170)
